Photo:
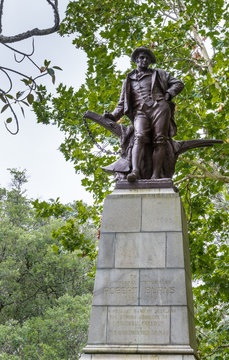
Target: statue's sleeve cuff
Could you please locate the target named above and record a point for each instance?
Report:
(170, 95)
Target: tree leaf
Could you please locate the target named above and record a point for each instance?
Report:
(4, 108)
(39, 96)
(23, 112)
(57, 67)
(9, 96)
(19, 94)
(24, 102)
(2, 98)
(30, 98)
(27, 81)
(51, 71)
(47, 63)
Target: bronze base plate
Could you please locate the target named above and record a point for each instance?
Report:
(164, 183)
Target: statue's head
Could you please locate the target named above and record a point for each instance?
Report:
(143, 50)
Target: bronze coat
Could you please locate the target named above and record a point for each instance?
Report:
(168, 85)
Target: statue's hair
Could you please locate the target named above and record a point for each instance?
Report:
(143, 49)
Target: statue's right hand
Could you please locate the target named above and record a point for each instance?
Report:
(108, 115)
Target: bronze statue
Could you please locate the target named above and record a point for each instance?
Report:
(148, 150)
(146, 100)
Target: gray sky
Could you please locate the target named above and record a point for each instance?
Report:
(35, 148)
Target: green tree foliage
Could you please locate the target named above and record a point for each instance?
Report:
(76, 231)
(58, 334)
(190, 40)
(45, 291)
(14, 207)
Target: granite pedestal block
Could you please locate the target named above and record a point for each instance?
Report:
(142, 304)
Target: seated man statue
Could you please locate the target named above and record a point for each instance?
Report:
(146, 99)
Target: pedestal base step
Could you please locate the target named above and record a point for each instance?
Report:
(136, 352)
(139, 349)
(136, 357)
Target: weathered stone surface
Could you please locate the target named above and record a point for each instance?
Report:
(189, 293)
(116, 287)
(140, 250)
(192, 333)
(140, 349)
(179, 325)
(162, 287)
(121, 214)
(97, 328)
(86, 357)
(161, 213)
(141, 305)
(135, 357)
(162, 352)
(106, 251)
(187, 255)
(175, 251)
(138, 325)
(139, 192)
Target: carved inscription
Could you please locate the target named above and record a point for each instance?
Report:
(162, 287)
(122, 287)
(116, 287)
(138, 325)
(155, 288)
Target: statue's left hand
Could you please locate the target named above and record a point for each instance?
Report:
(108, 115)
(167, 96)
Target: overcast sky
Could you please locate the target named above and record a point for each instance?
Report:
(35, 148)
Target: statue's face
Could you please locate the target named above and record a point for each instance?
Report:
(143, 60)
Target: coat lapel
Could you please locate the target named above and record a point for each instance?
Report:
(127, 98)
(153, 80)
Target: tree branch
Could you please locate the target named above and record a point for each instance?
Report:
(1, 13)
(206, 57)
(181, 6)
(215, 175)
(29, 81)
(35, 31)
(10, 82)
(170, 51)
(16, 121)
(20, 52)
(216, 349)
(164, 12)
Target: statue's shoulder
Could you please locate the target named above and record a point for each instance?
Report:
(163, 75)
(161, 71)
(131, 73)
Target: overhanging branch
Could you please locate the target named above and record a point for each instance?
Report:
(25, 97)
(1, 12)
(218, 348)
(214, 174)
(35, 31)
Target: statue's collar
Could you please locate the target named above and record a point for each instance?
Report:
(135, 73)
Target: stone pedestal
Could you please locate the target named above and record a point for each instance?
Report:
(142, 304)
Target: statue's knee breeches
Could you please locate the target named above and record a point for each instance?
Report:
(142, 129)
(141, 139)
(160, 140)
